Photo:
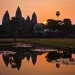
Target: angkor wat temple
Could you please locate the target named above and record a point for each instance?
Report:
(18, 16)
(17, 25)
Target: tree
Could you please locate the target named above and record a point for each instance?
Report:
(58, 14)
(53, 24)
(67, 24)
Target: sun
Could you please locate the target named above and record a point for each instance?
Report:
(45, 22)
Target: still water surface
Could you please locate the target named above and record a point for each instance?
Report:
(37, 63)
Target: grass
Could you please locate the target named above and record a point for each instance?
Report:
(56, 41)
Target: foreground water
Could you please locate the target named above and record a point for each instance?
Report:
(23, 59)
(37, 63)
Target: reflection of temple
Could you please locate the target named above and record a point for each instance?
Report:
(27, 55)
(60, 58)
(6, 60)
(15, 60)
(34, 58)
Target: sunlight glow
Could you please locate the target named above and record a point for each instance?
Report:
(45, 22)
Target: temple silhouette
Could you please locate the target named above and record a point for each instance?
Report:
(6, 18)
(18, 26)
(15, 26)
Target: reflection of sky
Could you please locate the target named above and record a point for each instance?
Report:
(44, 8)
(0, 22)
(42, 67)
(73, 56)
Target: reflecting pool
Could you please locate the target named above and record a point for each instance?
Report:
(37, 62)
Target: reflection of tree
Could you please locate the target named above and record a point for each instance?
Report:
(66, 55)
(57, 55)
(53, 56)
(57, 65)
(59, 58)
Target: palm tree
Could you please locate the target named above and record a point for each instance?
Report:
(58, 14)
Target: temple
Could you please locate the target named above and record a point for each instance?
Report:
(17, 25)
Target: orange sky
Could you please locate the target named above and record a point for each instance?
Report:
(44, 9)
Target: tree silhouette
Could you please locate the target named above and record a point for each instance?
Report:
(53, 24)
(58, 14)
(67, 24)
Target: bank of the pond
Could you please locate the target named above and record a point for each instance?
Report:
(54, 41)
(65, 44)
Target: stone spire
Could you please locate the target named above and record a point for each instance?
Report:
(6, 18)
(34, 18)
(28, 18)
(18, 13)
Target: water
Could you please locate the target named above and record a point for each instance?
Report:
(37, 62)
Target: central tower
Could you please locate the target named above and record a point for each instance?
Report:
(18, 13)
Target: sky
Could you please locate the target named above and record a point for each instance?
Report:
(45, 9)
